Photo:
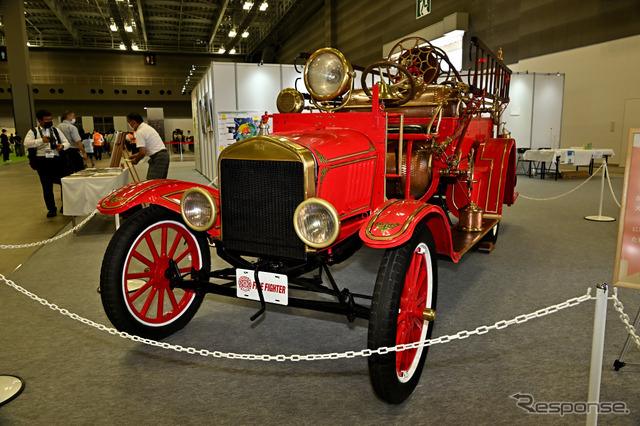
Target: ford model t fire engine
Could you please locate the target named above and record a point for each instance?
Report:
(410, 163)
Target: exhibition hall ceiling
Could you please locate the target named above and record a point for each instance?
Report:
(216, 26)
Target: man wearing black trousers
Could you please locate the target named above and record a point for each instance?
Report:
(6, 146)
(47, 142)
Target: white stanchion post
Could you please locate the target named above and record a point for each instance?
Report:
(597, 352)
(599, 217)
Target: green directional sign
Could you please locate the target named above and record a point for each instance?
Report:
(423, 8)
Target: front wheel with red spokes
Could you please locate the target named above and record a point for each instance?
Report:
(402, 311)
(135, 281)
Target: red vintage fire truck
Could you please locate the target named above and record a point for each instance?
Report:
(411, 163)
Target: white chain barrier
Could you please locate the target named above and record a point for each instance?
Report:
(309, 357)
(617, 304)
(605, 171)
(608, 175)
(50, 240)
(569, 192)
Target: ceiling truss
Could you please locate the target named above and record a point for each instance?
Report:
(176, 26)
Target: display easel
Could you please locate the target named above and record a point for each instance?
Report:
(118, 151)
(625, 274)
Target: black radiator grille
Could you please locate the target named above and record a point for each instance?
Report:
(257, 202)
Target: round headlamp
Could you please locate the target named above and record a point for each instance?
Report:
(316, 222)
(327, 74)
(198, 209)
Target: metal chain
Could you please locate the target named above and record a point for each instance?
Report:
(309, 357)
(50, 240)
(606, 171)
(625, 318)
(566, 193)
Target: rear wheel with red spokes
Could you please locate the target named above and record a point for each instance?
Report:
(402, 311)
(148, 249)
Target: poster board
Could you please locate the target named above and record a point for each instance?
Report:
(234, 126)
(626, 271)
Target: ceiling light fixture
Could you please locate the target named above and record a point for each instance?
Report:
(245, 34)
(113, 27)
(222, 49)
(134, 46)
(128, 28)
(122, 46)
(264, 6)
(232, 33)
(247, 5)
(233, 51)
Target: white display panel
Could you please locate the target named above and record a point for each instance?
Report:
(289, 77)
(205, 94)
(235, 87)
(547, 111)
(519, 112)
(534, 115)
(257, 87)
(224, 77)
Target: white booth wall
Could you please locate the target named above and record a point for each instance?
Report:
(229, 87)
(601, 97)
(534, 114)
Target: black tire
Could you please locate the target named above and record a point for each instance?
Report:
(395, 375)
(135, 292)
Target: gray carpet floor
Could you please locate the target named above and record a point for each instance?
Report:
(546, 254)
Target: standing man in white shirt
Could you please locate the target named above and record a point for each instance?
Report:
(76, 152)
(149, 144)
(47, 142)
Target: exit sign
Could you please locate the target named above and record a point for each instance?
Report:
(423, 8)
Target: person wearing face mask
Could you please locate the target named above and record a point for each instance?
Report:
(45, 143)
(76, 152)
(149, 143)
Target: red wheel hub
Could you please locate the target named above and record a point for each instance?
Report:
(146, 285)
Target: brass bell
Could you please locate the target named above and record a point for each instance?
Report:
(383, 91)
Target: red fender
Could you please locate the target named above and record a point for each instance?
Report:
(163, 192)
(393, 223)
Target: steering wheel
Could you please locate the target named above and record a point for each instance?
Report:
(399, 81)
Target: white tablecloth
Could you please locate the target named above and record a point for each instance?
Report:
(575, 156)
(80, 194)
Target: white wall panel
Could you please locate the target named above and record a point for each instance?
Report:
(206, 143)
(224, 84)
(236, 87)
(257, 87)
(290, 75)
(519, 112)
(547, 111)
